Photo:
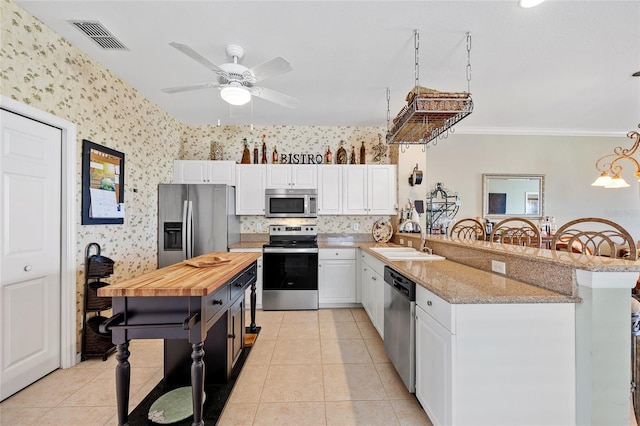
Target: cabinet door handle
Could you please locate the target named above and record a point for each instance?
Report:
(216, 302)
(238, 284)
(231, 336)
(429, 303)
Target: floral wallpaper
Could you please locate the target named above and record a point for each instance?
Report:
(315, 140)
(40, 68)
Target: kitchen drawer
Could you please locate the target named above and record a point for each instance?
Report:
(327, 254)
(216, 302)
(437, 308)
(240, 283)
(375, 265)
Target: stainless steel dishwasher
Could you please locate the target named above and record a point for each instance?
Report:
(399, 325)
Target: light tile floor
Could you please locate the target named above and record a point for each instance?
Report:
(325, 367)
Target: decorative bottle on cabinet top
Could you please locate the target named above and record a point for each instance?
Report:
(362, 153)
(264, 149)
(246, 156)
(352, 157)
(327, 156)
(255, 153)
(274, 157)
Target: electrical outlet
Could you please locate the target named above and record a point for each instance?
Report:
(409, 243)
(356, 226)
(402, 241)
(258, 226)
(499, 267)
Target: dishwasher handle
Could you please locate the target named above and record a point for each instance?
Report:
(402, 289)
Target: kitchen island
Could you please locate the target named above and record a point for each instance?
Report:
(558, 324)
(182, 302)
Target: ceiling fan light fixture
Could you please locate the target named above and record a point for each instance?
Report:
(526, 4)
(235, 94)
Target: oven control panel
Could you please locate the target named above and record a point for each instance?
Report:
(292, 230)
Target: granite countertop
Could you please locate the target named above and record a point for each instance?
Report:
(545, 256)
(181, 279)
(460, 284)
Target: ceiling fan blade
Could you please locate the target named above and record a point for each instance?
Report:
(275, 97)
(198, 57)
(270, 68)
(191, 87)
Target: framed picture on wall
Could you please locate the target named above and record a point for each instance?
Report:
(102, 185)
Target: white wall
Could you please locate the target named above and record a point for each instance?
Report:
(568, 164)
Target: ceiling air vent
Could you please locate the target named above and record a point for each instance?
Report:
(100, 34)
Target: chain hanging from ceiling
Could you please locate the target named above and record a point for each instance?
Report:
(429, 114)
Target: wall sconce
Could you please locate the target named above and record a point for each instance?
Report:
(607, 165)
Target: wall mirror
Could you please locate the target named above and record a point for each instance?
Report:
(512, 195)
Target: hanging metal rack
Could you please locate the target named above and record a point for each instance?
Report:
(429, 114)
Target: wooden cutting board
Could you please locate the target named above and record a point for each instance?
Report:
(206, 261)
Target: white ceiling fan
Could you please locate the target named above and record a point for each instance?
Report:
(237, 82)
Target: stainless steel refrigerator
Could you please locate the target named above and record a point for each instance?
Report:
(194, 220)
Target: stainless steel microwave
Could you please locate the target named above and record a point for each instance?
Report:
(291, 202)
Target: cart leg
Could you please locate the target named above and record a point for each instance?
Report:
(197, 382)
(252, 326)
(123, 378)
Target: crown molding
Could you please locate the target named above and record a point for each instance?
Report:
(522, 131)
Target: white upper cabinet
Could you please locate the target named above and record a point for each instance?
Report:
(354, 190)
(192, 171)
(369, 189)
(329, 189)
(381, 184)
(302, 176)
(250, 183)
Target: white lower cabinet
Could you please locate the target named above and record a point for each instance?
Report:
(247, 295)
(495, 364)
(336, 276)
(372, 281)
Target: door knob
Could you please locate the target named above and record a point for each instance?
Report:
(27, 268)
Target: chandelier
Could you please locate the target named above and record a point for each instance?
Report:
(610, 169)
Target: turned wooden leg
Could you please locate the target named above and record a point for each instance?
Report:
(123, 378)
(197, 382)
(252, 326)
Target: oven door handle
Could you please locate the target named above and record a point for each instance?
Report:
(289, 250)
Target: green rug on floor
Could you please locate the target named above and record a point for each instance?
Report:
(172, 406)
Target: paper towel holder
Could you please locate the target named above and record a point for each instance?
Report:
(416, 176)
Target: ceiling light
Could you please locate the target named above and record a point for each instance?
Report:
(529, 3)
(603, 180)
(608, 165)
(617, 182)
(235, 94)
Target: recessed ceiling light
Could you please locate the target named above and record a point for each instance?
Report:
(529, 3)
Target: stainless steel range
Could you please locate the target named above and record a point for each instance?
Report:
(290, 268)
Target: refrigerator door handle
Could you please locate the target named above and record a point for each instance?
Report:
(190, 230)
(184, 230)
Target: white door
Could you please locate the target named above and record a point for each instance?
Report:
(30, 181)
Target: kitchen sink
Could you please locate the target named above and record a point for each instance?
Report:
(383, 250)
(405, 253)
